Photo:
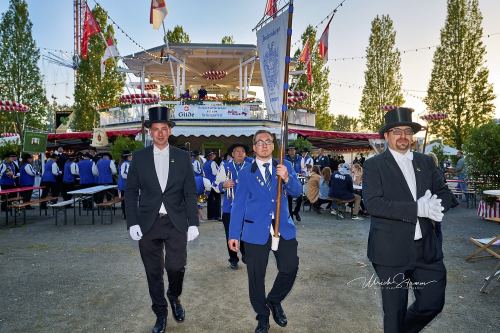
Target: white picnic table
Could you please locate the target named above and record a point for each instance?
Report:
(89, 192)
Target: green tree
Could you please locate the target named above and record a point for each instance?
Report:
(20, 77)
(345, 123)
(382, 77)
(178, 35)
(227, 40)
(318, 99)
(122, 143)
(459, 81)
(93, 92)
(482, 156)
(301, 143)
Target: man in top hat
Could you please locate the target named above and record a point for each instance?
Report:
(252, 220)
(210, 170)
(226, 183)
(406, 196)
(161, 214)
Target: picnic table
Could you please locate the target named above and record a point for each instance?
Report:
(86, 193)
(5, 193)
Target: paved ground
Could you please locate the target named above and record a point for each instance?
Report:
(89, 278)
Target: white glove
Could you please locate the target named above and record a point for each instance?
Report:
(135, 232)
(192, 233)
(435, 209)
(423, 205)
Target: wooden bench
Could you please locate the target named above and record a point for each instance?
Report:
(341, 203)
(111, 205)
(42, 200)
(17, 207)
(62, 205)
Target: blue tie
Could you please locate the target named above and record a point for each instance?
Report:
(267, 175)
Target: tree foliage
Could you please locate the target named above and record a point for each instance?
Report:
(459, 82)
(20, 77)
(227, 40)
(482, 155)
(318, 99)
(382, 76)
(93, 92)
(301, 143)
(122, 143)
(345, 123)
(178, 35)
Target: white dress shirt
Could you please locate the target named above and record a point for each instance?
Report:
(55, 169)
(262, 169)
(162, 165)
(112, 166)
(404, 162)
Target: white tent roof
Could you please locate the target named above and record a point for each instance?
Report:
(447, 150)
(219, 131)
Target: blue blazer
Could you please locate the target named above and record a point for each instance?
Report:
(254, 204)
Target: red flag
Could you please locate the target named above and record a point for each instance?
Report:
(271, 8)
(90, 28)
(305, 57)
(323, 43)
(157, 13)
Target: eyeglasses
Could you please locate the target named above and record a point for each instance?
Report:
(261, 143)
(399, 132)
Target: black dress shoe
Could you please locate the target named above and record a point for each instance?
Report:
(160, 326)
(278, 313)
(233, 265)
(262, 326)
(297, 217)
(177, 309)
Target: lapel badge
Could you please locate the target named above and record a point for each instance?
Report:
(418, 169)
(172, 161)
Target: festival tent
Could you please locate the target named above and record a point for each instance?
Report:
(337, 141)
(447, 150)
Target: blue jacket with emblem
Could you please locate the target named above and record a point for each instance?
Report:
(254, 204)
(235, 171)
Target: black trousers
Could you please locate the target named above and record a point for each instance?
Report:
(233, 256)
(287, 261)
(213, 205)
(49, 187)
(429, 284)
(298, 204)
(123, 204)
(87, 203)
(26, 195)
(163, 247)
(67, 187)
(108, 194)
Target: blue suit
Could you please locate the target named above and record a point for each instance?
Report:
(254, 204)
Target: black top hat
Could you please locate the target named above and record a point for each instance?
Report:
(231, 148)
(195, 153)
(106, 154)
(291, 147)
(126, 153)
(159, 114)
(305, 150)
(26, 156)
(399, 116)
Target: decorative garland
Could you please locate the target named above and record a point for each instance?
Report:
(389, 107)
(214, 75)
(296, 96)
(145, 98)
(13, 106)
(434, 116)
(147, 86)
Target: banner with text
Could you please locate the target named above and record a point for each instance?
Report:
(271, 44)
(211, 111)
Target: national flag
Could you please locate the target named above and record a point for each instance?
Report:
(110, 52)
(271, 8)
(157, 13)
(305, 57)
(323, 43)
(90, 28)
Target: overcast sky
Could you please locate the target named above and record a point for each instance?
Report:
(417, 24)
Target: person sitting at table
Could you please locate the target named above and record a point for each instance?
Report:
(357, 179)
(314, 188)
(8, 176)
(27, 177)
(105, 168)
(87, 177)
(70, 172)
(341, 188)
(49, 180)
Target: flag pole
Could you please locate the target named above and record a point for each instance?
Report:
(284, 129)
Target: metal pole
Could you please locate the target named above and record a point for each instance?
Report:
(143, 134)
(284, 125)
